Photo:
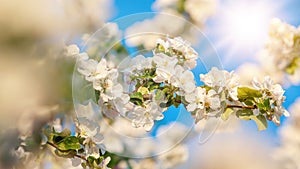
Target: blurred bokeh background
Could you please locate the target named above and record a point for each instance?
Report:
(36, 69)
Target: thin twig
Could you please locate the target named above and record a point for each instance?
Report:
(56, 147)
(139, 87)
(241, 107)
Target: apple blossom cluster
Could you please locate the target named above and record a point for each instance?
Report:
(282, 50)
(152, 84)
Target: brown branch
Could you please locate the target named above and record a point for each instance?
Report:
(241, 107)
(56, 147)
(139, 87)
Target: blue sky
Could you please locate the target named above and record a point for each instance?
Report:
(287, 10)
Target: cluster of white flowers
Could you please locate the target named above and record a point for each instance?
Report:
(274, 93)
(222, 81)
(153, 84)
(181, 49)
(204, 103)
(170, 66)
(104, 77)
(282, 50)
(89, 129)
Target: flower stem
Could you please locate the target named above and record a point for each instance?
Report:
(56, 147)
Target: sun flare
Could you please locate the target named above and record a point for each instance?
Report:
(244, 25)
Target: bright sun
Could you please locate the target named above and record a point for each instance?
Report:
(243, 26)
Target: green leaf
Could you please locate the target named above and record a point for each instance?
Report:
(137, 95)
(244, 114)
(166, 89)
(69, 143)
(245, 93)
(260, 121)
(58, 137)
(267, 103)
(66, 154)
(264, 106)
(226, 114)
(153, 87)
(249, 102)
(91, 159)
(149, 83)
(137, 98)
(97, 94)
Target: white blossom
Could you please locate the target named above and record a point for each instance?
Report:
(140, 62)
(72, 50)
(104, 76)
(282, 51)
(57, 125)
(121, 103)
(222, 80)
(90, 130)
(145, 116)
(196, 99)
(281, 43)
(92, 70)
(275, 93)
(203, 104)
(268, 84)
(87, 67)
(89, 110)
(184, 46)
(165, 66)
(188, 55)
(184, 79)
